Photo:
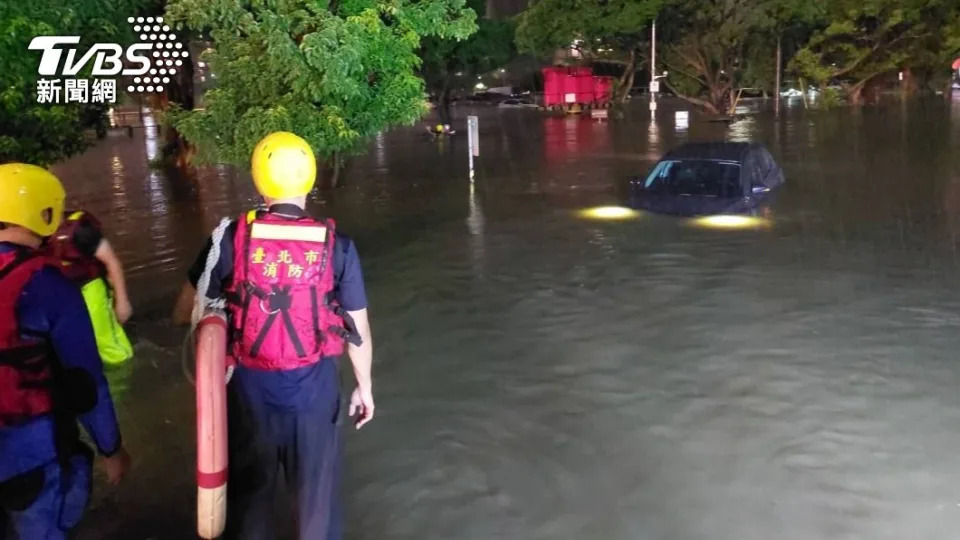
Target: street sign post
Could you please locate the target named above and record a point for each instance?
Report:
(473, 141)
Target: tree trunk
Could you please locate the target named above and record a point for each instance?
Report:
(721, 96)
(443, 107)
(331, 171)
(734, 101)
(177, 150)
(855, 95)
(910, 85)
(629, 85)
(777, 83)
(855, 92)
(625, 83)
(443, 101)
(337, 168)
(721, 93)
(803, 93)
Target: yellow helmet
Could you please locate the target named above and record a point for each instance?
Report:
(283, 166)
(30, 197)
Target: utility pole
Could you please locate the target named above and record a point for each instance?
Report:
(776, 91)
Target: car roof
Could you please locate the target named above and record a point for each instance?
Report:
(719, 151)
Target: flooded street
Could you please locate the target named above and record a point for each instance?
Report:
(542, 376)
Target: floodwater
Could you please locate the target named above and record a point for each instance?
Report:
(543, 376)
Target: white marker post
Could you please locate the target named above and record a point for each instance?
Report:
(473, 141)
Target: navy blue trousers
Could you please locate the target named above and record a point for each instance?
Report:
(302, 441)
(44, 504)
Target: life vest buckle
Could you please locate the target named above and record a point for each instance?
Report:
(276, 301)
(265, 310)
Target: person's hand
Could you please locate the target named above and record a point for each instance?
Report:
(123, 309)
(361, 404)
(117, 466)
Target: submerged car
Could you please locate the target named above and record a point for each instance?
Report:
(708, 179)
(515, 103)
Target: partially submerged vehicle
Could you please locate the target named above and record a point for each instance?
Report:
(518, 103)
(699, 179)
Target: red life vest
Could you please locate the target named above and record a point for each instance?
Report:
(79, 267)
(26, 368)
(283, 314)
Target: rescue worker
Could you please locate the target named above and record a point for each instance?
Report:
(295, 298)
(87, 258)
(50, 372)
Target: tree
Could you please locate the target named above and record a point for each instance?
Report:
(44, 134)
(931, 56)
(706, 43)
(865, 40)
(335, 73)
(792, 20)
(612, 31)
(759, 68)
(447, 61)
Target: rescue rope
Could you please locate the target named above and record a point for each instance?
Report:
(201, 303)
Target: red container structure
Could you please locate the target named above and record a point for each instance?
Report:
(552, 87)
(569, 86)
(603, 89)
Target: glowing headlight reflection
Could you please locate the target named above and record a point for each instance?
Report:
(731, 222)
(609, 213)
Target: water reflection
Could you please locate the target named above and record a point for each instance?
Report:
(155, 188)
(681, 121)
(612, 213)
(475, 217)
(742, 130)
(116, 167)
(573, 136)
(380, 151)
(653, 136)
(730, 222)
(475, 223)
(119, 183)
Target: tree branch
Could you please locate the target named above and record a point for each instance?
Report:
(863, 81)
(695, 63)
(879, 45)
(709, 107)
(671, 67)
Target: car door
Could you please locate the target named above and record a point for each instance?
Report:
(754, 170)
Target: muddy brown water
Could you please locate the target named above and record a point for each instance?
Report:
(543, 376)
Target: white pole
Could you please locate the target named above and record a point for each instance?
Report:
(473, 142)
(653, 51)
(653, 67)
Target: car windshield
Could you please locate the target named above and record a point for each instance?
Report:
(696, 177)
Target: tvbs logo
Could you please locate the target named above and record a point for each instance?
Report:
(107, 57)
(151, 62)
